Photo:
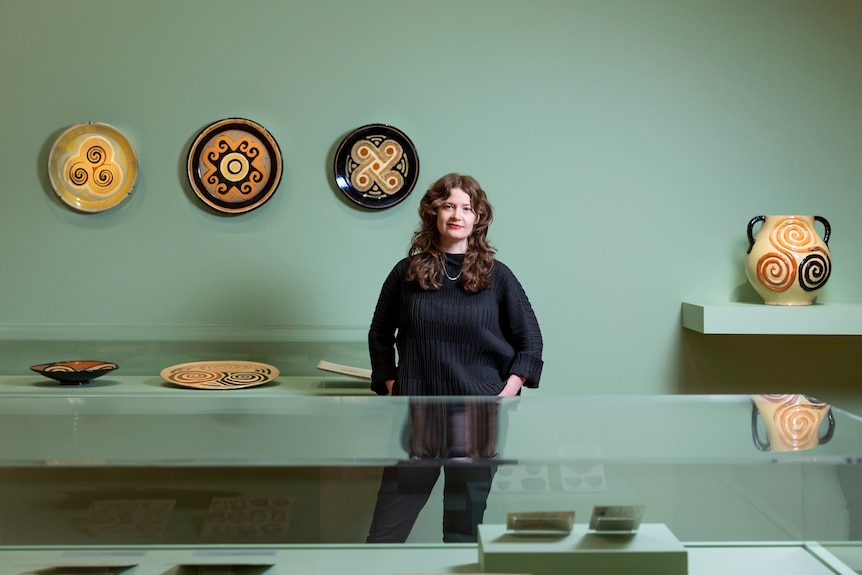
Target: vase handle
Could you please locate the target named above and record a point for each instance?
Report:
(753, 221)
(830, 430)
(826, 227)
(755, 436)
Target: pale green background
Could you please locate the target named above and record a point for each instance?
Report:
(624, 145)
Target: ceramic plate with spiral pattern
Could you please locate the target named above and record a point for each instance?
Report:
(234, 165)
(376, 166)
(92, 167)
(220, 374)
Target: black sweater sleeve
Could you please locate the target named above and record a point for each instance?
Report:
(520, 326)
(384, 323)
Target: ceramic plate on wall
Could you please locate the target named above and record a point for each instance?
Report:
(376, 166)
(220, 374)
(92, 167)
(234, 165)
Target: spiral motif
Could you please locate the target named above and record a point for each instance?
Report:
(249, 149)
(96, 154)
(814, 271)
(776, 271)
(243, 378)
(196, 376)
(78, 175)
(93, 167)
(792, 234)
(104, 177)
(796, 425)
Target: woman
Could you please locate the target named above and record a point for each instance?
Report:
(462, 326)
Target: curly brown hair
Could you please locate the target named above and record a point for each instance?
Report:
(426, 257)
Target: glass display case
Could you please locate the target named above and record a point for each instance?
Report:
(83, 469)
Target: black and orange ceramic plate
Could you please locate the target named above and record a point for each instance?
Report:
(74, 372)
(234, 165)
(92, 167)
(376, 166)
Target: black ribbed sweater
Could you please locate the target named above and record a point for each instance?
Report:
(450, 341)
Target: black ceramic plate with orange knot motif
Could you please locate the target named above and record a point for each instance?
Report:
(376, 166)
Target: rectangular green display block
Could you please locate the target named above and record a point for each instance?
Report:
(651, 550)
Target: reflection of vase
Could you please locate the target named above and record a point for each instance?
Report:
(788, 262)
(792, 422)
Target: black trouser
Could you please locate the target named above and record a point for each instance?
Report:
(404, 490)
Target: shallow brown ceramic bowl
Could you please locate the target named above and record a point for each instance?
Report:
(74, 372)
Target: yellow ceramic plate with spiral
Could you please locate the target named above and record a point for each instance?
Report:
(220, 374)
(92, 167)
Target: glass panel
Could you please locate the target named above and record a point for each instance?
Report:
(214, 429)
(220, 468)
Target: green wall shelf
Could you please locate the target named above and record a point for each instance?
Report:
(761, 319)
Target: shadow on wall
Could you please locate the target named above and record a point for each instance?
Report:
(823, 366)
(745, 293)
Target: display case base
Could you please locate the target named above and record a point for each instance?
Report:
(651, 550)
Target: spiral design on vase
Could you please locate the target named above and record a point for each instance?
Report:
(814, 271)
(792, 234)
(776, 271)
(796, 425)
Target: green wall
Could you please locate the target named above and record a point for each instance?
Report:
(624, 145)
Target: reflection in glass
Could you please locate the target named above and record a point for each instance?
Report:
(792, 422)
(457, 435)
(451, 429)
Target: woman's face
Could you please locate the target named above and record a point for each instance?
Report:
(455, 221)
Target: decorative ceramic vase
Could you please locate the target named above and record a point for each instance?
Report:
(788, 262)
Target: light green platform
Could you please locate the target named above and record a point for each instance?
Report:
(760, 319)
(765, 559)
(651, 550)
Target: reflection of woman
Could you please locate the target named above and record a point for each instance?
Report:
(462, 326)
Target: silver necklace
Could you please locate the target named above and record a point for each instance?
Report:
(446, 273)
